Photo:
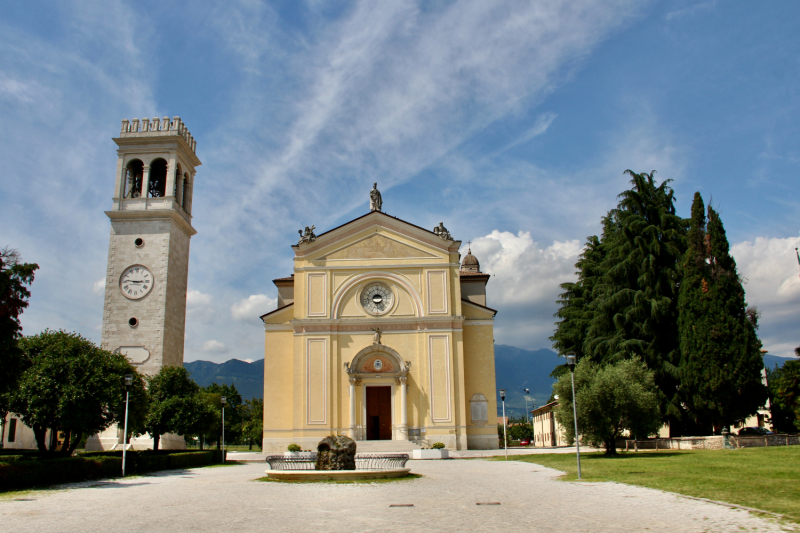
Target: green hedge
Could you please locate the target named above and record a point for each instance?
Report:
(32, 471)
(11, 458)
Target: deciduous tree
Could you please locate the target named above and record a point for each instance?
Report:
(14, 276)
(68, 384)
(611, 399)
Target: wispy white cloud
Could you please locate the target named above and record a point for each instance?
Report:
(215, 347)
(99, 286)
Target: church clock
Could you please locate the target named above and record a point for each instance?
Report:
(377, 299)
(136, 282)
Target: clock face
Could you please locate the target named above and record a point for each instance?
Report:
(136, 282)
(377, 299)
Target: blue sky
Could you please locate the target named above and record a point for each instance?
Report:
(511, 122)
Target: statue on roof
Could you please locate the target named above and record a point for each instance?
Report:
(442, 232)
(308, 236)
(375, 201)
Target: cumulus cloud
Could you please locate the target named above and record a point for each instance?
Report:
(524, 283)
(769, 266)
(251, 308)
(197, 300)
(215, 347)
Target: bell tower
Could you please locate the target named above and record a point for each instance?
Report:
(144, 310)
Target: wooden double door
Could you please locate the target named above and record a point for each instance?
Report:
(379, 413)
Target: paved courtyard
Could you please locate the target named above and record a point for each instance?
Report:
(227, 499)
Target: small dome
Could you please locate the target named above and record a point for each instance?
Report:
(470, 262)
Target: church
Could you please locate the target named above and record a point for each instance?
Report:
(382, 334)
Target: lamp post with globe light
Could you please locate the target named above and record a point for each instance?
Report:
(571, 364)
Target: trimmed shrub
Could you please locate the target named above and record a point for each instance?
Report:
(191, 459)
(25, 471)
(42, 472)
(293, 448)
(437, 446)
(150, 463)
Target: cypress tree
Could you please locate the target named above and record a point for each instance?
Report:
(721, 360)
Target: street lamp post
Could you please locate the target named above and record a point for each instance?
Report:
(505, 437)
(571, 364)
(128, 383)
(527, 413)
(223, 399)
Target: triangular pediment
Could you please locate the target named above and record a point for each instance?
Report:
(376, 246)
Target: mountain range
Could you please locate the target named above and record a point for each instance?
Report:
(516, 369)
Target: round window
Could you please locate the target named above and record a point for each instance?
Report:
(139, 242)
(133, 322)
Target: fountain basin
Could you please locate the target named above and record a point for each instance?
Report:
(336, 475)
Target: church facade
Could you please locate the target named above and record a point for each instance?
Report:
(380, 334)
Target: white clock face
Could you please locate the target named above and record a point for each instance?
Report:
(377, 299)
(136, 282)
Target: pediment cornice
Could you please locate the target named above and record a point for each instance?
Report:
(376, 220)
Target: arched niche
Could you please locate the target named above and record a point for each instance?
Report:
(393, 364)
(345, 288)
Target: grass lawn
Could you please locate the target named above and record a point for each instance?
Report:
(763, 478)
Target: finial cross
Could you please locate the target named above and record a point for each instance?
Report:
(469, 245)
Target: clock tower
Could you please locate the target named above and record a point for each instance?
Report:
(144, 311)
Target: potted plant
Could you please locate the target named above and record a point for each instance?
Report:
(437, 451)
(293, 450)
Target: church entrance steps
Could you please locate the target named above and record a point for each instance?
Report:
(385, 446)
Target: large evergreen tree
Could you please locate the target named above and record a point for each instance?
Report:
(721, 361)
(635, 302)
(575, 311)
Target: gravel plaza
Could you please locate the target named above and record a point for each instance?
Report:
(452, 495)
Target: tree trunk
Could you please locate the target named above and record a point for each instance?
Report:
(611, 446)
(53, 440)
(41, 438)
(250, 442)
(156, 440)
(74, 443)
(65, 447)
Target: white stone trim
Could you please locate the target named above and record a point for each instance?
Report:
(479, 322)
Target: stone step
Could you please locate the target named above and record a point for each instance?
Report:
(385, 446)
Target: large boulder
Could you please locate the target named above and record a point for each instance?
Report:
(336, 453)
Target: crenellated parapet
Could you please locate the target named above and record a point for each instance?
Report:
(157, 127)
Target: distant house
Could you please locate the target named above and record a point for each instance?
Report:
(546, 429)
(18, 436)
